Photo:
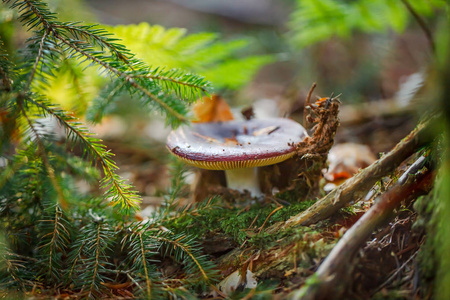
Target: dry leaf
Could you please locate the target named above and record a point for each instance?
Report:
(265, 130)
(214, 109)
(346, 159)
(235, 281)
(231, 141)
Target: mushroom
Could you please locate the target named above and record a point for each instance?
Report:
(237, 147)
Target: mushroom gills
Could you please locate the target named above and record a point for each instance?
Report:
(244, 179)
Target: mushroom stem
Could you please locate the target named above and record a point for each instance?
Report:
(244, 179)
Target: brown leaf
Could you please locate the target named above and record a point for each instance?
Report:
(116, 286)
(214, 109)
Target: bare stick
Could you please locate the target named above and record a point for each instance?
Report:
(306, 123)
(422, 24)
(336, 266)
(357, 187)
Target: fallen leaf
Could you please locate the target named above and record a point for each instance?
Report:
(116, 286)
(265, 130)
(346, 159)
(235, 281)
(214, 109)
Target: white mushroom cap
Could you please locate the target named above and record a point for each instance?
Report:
(236, 144)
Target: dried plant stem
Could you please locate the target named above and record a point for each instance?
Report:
(306, 123)
(356, 188)
(422, 24)
(336, 266)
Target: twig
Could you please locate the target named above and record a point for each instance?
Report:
(398, 270)
(306, 107)
(336, 266)
(422, 25)
(265, 221)
(356, 187)
(416, 166)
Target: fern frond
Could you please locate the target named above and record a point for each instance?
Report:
(314, 21)
(202, 52)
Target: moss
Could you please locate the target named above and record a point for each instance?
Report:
(238, 223)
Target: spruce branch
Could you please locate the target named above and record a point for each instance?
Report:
(102, 61)
(97, 36)
(186, 250)
(43, 154)
(120, 193)
(97, 247)
(88, 258)
(54, 242)
(12, 266)
(187, 86)
(101, 104)
(82, 47)
(144, 262)
(141, 252)
(38, 58)
(5, 69)
(74, 257)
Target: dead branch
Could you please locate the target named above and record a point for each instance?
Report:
(331, 272)
(307, 108)
(357, 187)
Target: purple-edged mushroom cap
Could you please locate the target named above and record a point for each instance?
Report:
(236, 145)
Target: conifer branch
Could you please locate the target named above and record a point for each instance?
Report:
(43, 155)
(97, 260)
(97, 36)
(144, 262)
(128, 78)
(187, 86)
(120, 193)
(178, 243)
(74, 258)
(58, 234)
(100, 104)
(38, 58)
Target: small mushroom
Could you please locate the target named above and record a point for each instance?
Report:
(256, 143)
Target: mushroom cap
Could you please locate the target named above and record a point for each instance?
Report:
(236, 144)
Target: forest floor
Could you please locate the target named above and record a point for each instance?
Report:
(255, 238)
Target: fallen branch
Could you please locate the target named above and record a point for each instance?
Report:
(329, 283)
(357, 187)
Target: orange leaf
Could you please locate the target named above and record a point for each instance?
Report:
(214, 109)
